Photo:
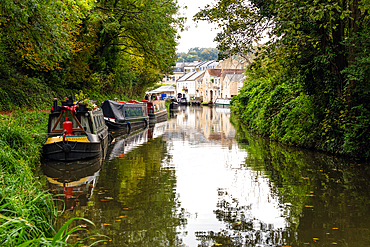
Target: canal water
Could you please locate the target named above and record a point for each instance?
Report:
(199, 180)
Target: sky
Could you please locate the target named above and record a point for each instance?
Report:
(199, 34)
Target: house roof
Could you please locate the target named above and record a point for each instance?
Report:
(206, 63)
(196, 75)
(232, 71)
(186, 76)
(214, 72)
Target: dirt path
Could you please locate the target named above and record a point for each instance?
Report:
(9, 113)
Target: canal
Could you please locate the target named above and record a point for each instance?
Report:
(198, 180)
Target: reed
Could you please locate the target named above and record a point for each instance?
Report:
(26, 210)
(61, 237)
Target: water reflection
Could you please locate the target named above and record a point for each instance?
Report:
(72, 182)
(324, 199)
(198, 180)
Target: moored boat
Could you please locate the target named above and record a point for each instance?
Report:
(222, 102)
(183, 101)
(157, 111)
(122, 115)
(196, 101)
(75, 133)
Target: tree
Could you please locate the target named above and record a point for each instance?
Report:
(39, 34)
(324, 47)
(141, 34)
(198, 54)
(243, 24)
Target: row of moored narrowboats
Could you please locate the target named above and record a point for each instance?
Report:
(75, 132)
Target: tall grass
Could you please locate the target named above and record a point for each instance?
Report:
(27, 211)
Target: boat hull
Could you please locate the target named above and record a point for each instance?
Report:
(128, 125)
(75, 148)
(158, 117)
(222, 102)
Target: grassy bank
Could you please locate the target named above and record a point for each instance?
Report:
(26, 210)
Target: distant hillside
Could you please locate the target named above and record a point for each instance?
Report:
(198, 54)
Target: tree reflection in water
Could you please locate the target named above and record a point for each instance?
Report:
(324, 199)
(243, 192)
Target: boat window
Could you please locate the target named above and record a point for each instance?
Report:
(85, 124)
(99, 122)
(62, 119)
(95, 123)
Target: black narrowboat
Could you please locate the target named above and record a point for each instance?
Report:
(75, 133)
(122, 115)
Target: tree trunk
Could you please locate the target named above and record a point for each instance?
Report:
(340, 61)
(352, 32)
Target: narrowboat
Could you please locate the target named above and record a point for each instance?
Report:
(157, 111)
(75, 133)
(122, 115)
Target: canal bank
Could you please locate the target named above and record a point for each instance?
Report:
(198, 180)
(27, 210)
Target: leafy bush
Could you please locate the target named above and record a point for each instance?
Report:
(280, 108)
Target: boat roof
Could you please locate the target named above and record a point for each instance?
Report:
(163, 89)
(113, 109)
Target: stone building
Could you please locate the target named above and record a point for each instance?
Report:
(232, 84)
(214, 83)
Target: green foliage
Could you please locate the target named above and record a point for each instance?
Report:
(315, 68)
(52, 49)
(61, 237)
(282, 110)
(242, 24)
(198, 54)
(38, 34)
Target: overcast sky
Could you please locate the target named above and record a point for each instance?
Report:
(198, 35)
